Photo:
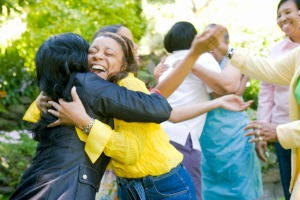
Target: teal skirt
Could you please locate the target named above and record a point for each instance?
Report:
(230, 167)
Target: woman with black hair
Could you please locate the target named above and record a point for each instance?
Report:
(60, 168)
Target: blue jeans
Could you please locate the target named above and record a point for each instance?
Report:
(174, 185)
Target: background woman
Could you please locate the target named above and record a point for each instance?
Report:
(230, 167)
(282, 71)
(273, 99)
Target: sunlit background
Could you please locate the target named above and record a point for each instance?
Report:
(255, 15)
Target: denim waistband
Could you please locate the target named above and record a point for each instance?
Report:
(174, 170)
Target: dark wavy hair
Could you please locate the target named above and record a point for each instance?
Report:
(55, 60)
(297, 2)
(180, 36)
(129, 61)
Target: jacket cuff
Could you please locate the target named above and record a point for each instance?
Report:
(33, 114)
(288, 134)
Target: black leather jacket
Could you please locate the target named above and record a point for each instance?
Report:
(61, 169)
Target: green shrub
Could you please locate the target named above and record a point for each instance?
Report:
(251, 92)
(15, 79)
(18, 86)
(16, 153)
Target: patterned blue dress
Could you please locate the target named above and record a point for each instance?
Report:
(230, 167)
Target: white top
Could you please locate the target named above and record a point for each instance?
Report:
(192, 90)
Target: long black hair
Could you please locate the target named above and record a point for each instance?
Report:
(55, 60)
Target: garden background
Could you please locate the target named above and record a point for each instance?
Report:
(25, 24)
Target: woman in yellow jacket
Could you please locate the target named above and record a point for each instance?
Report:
(282, 71)
(159, 161)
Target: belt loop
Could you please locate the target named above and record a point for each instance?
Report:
(148, 181)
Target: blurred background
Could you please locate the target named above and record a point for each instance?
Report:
(25, 24)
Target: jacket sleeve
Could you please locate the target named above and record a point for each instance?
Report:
(289, 134)
(110, 100)
(277, 71)
(122, 146)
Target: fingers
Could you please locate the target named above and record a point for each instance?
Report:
(54, 124)
(260, 148)
(257, 139)
(251, 125)
(245, 105)
(250, 102)
(42, 102)
(44, 106)
(74, 94)
(162, 61)
(55, 105)
(250, 133)
(54, 113)
(266, 149)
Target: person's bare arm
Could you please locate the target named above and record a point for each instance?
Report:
(202, 43)
(229, 102)
(243, 84)
(226, 82)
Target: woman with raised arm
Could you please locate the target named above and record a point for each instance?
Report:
(284, 70)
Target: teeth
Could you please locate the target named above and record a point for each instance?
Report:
(98, 67)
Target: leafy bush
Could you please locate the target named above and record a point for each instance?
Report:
(15, 79)
(16, 152)
(251, 92)
(18, 88)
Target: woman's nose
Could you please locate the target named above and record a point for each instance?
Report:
(98, 55)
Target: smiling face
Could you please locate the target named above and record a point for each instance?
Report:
(105, 56)
(288, 19)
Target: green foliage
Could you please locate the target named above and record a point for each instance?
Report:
(49, 17)
(13, 5)
(15, 159)
(15, 79)
(251, 92)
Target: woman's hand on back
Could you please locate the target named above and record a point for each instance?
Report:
(42, 102)
(69, 113)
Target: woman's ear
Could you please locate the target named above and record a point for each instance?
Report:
(124, 66)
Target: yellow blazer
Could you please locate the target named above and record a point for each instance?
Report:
(284, 70)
